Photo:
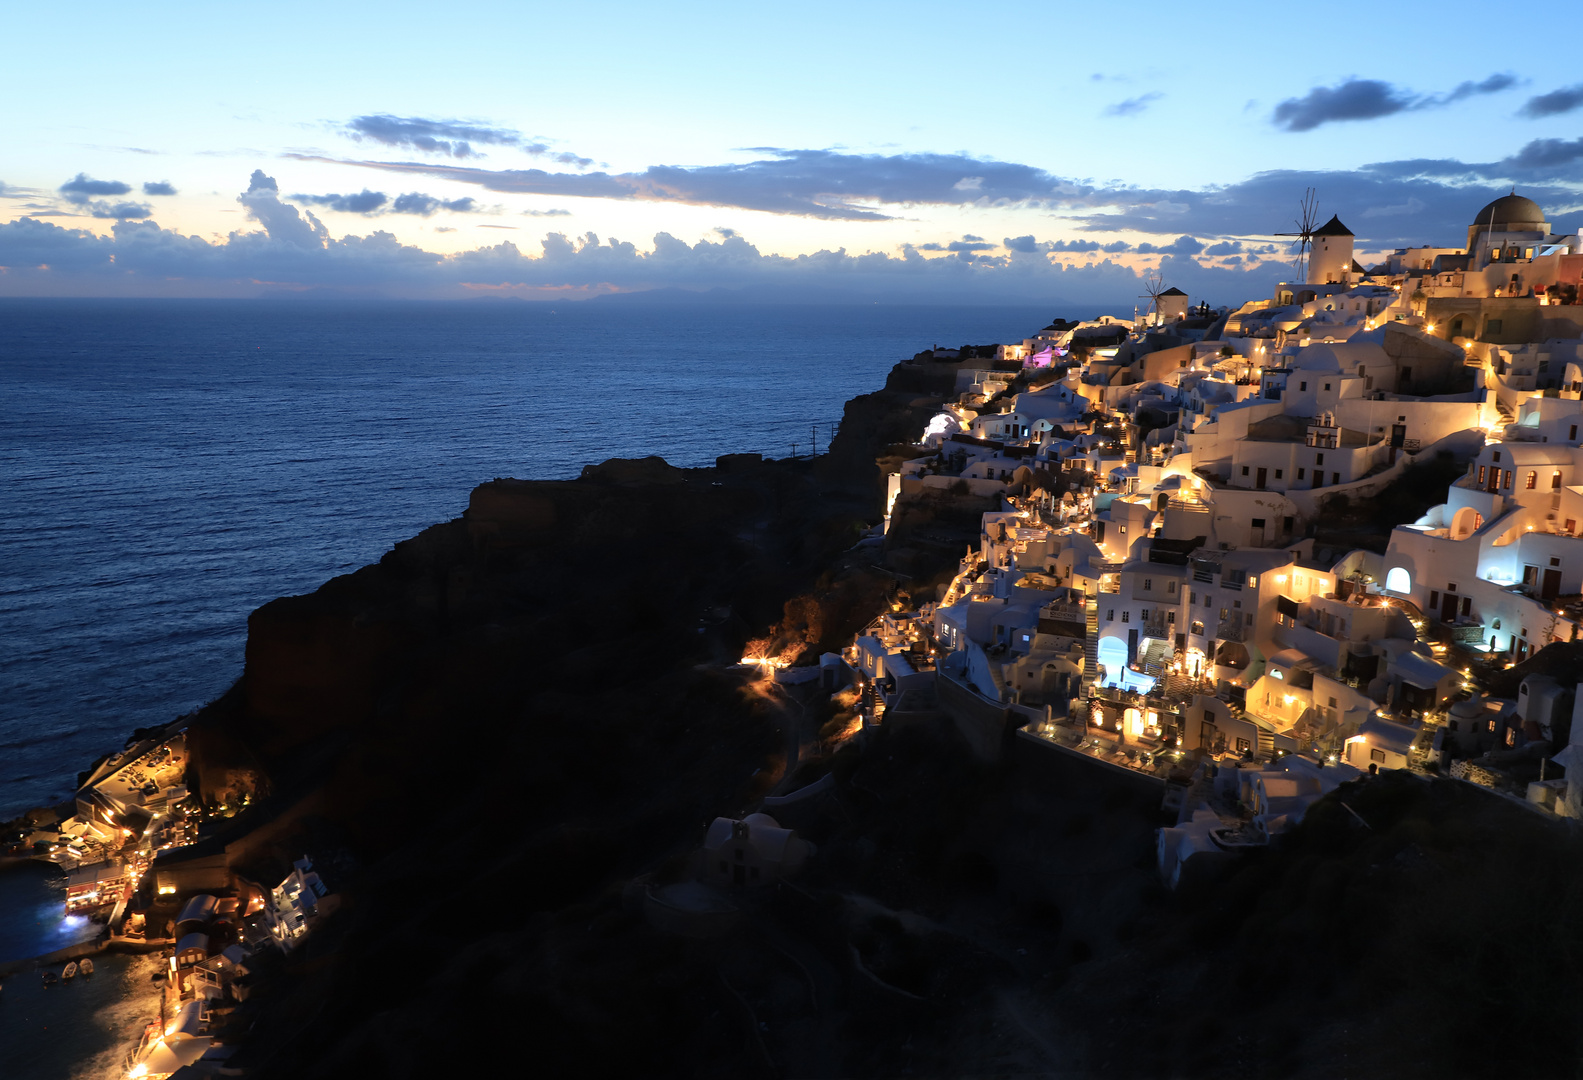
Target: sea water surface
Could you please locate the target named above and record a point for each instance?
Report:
(168, 466)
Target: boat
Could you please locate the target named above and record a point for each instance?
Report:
(85, 966)
(50, 978)
(70, 971)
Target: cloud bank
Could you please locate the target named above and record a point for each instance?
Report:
(294, 252)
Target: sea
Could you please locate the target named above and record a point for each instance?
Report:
(168, 466)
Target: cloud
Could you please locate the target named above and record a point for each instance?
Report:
(448, 137)
(1554, 103)
(451, 138)
(1182, 245)
(552, 212)
(81, 187)
(415, 202)
(1504, 80)
(282, 223)
(1369, 99)
(158, 187)
(1225, 247)
(965, 245)
(1547, 154)
(364, 202)
(1133, 106)
(80, 190)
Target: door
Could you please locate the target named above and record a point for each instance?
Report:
(1404, 380)
(739, 874)
(1552, 586)
(1259, 482)
(1398, 435)
(1448, 607)
(1132, 646)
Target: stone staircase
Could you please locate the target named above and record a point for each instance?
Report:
(1091, 645)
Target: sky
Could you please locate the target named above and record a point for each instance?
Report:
(865, 152)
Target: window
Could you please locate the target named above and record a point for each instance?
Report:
(1335, 478)
(1377, 755)
(1319, 459)
(1209, 600)
(1170, 616)
(1258, 523)
(1248, 619)
(1555, 480)
(1555, 562)
(1148, 584)
(1434, 597)
(1244, 470)
(1492, 326)
(1397, 580)
(1302, 386)
(1170, 587)
(1573, 433)
(1287, 524)
(1110, 615)
(1533, 480)
(1481, 476)
(1243, 746)
(1300, 473)
(1198, 628)
(1126, 616)
(1327, 386)
(1253, 579)
(1277, 474)
(1495, 456)
(1508, 481)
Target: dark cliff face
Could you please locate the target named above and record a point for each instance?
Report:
(513, 710)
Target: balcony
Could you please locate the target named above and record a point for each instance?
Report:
(1230, 630)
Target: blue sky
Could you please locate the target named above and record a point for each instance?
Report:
(925, 151)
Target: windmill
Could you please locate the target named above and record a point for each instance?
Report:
(1153, 288)
(1306, 224)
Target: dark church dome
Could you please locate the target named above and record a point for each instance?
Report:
(1510, 210)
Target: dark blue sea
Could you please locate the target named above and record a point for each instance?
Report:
(166, 467)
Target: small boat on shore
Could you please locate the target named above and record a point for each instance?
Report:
(70, 971)
(50, 978)
(85, 966)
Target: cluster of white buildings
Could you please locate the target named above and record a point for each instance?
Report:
(1150, 591)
